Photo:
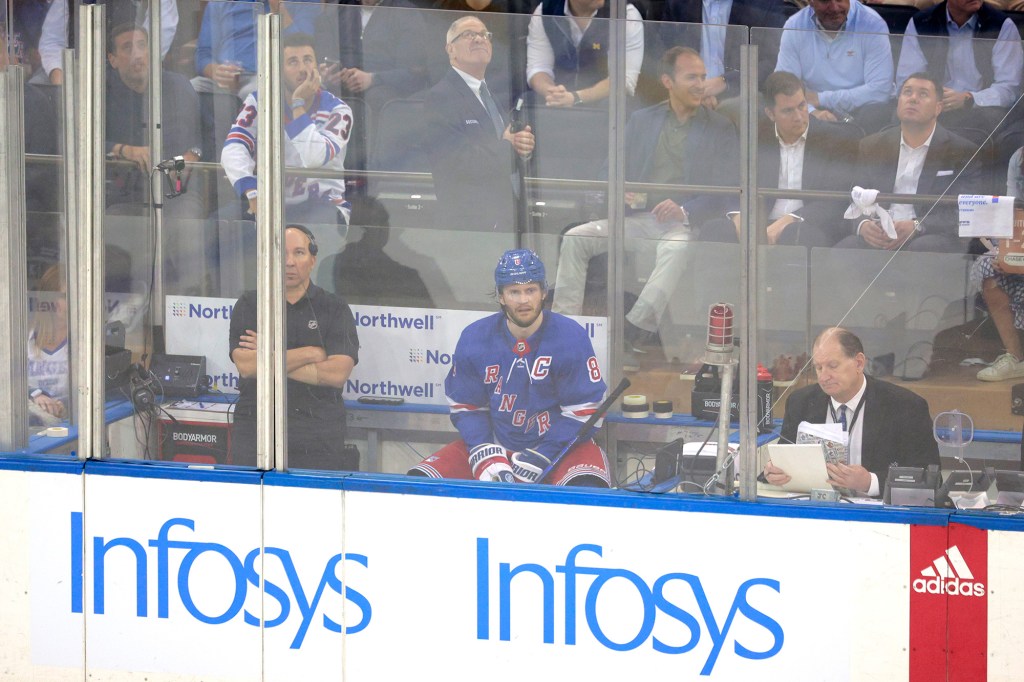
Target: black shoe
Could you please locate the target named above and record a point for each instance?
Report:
(639, 340)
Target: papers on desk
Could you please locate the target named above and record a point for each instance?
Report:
(985, 216)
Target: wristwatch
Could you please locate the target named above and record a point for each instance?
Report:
(918, 227)
(576, 99)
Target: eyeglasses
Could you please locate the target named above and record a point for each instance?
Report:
(469, 35)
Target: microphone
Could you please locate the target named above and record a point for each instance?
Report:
(719, 348)
(516, 117)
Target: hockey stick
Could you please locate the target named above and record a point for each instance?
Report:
(585, 430)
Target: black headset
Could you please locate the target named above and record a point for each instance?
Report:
(313, 248)
(141, 382)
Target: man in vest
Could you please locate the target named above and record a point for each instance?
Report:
(567, 51)
(976, 55)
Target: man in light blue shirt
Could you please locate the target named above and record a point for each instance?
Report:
(840, 49)
(226, 48)
(976, 53)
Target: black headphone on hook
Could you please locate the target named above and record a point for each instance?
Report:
(141, 383)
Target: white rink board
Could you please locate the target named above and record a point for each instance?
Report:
(32, 567)
(365, 586)
(1005, 605)
(129, 635)
(431, 603)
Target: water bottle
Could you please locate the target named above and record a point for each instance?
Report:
(765, 398)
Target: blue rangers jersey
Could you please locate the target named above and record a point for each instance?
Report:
(317, 139)
(534, 393)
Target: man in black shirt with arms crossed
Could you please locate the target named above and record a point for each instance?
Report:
(323, 347)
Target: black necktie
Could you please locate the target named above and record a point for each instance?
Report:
(842, 416)
(492, 109)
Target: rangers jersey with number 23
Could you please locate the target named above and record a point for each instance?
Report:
(316, 139)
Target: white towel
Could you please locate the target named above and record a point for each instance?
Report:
(864, 205)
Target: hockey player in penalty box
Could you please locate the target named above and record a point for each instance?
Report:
(522, 383)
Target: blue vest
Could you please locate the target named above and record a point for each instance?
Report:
(582, 68)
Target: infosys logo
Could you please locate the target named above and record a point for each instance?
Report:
(198, 310)
(677, 611)
(949, 574)
(429, 357)
(207, 580)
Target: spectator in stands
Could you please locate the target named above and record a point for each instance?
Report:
(887, 424)
(383, 53)
(317, 129)
(677, 142)
(473, 147)
(567, 51)
(719, 46)
(976, 54)
(919, 157)
(58, 34)
(797, 151)
(127, 132)
(26, 24)
(840, 50)
(1004, 294)
(226, 48)
(48, 367)
(504, 6)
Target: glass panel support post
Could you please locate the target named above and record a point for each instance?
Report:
(271, 378)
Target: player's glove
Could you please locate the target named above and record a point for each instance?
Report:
(528, 465)
(489, 462)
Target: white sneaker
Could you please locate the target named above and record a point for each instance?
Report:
(1005, 367)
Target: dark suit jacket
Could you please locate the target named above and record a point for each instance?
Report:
(897, 426)
(830, 148)
(712, 157)
(472, 167)
(947, 156)
(392, 46)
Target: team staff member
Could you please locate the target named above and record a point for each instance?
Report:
(323, 347)
(522, 383)
(887, 424)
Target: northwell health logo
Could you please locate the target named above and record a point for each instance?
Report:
(949, 574)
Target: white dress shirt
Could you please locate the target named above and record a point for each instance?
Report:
(856, 434)
(908, 174)
(473, 83)
(791, 173)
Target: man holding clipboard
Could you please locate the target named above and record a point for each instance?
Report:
(886, 424)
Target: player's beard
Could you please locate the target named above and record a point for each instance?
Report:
(519, 320)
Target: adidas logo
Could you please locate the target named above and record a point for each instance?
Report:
(949, 574)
